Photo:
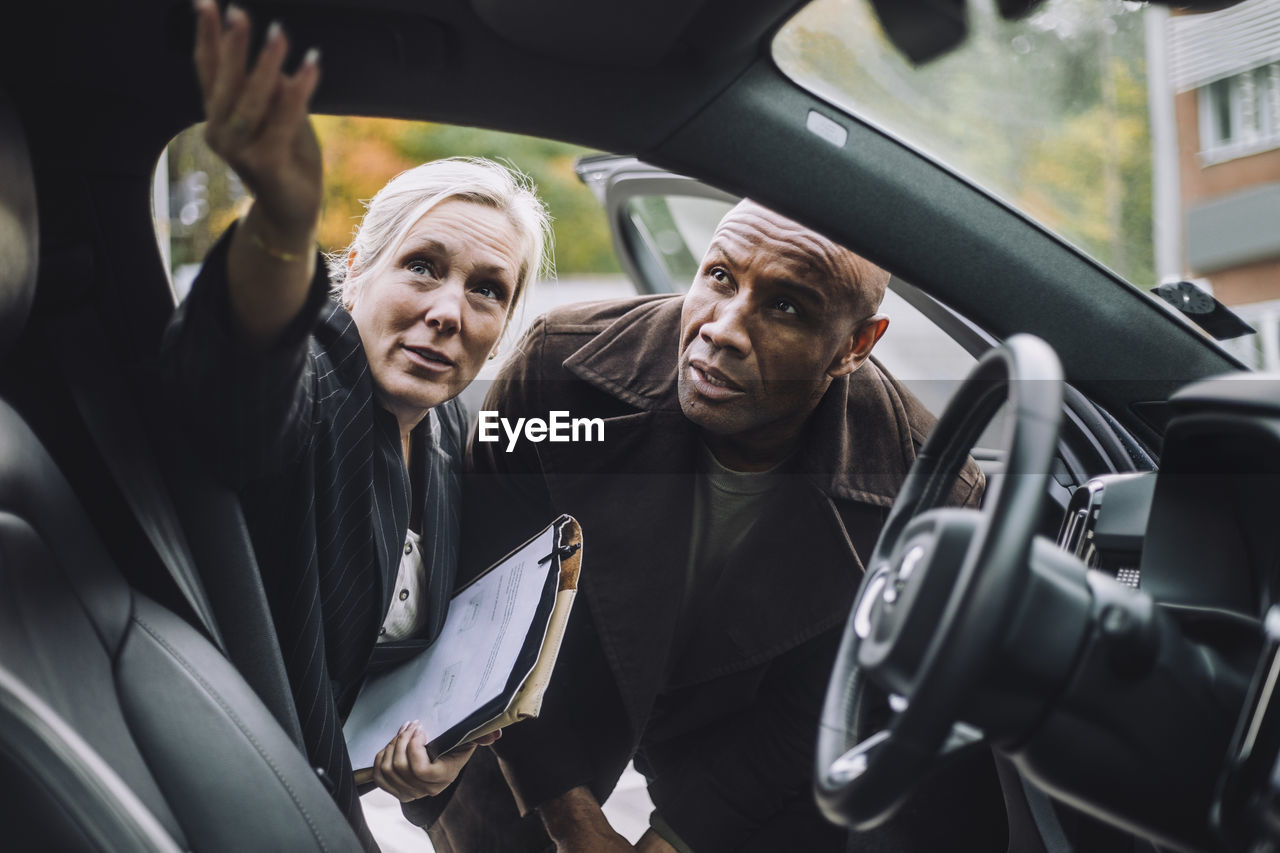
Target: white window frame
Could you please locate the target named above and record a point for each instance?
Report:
(1254, 115)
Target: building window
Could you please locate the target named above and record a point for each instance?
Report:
(1240, 114)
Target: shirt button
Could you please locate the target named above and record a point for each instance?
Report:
(404, 593)
(408, 547)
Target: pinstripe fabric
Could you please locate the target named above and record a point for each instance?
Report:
(325, 492)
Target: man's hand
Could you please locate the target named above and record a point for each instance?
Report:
(577, 825)
(404, 770)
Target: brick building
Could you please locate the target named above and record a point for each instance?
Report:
(1215, 104)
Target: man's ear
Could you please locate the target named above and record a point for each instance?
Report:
(859, 345)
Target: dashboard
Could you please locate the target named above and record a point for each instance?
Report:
(1201, 540)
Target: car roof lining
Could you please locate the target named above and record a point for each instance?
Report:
(627, 35)
(440, 62)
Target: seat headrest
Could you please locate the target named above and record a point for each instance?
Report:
(19, 227)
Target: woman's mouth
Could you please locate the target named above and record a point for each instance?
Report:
(430, 359)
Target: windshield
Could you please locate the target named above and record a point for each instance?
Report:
(1149, 140)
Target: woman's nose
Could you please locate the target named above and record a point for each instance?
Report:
(444, 308)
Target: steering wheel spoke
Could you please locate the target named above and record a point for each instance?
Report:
(854, 763)
(962, 737)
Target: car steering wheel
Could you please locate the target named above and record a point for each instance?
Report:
(938, 595)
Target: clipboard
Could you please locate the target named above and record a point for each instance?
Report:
(530, 590)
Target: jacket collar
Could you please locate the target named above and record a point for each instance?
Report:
(861, 417)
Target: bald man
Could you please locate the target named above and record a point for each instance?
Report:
(750, 452)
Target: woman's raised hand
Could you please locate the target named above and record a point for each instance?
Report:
(257, 121)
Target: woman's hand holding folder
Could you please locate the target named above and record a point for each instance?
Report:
(404, 770)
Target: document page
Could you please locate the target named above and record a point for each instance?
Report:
(467, 666)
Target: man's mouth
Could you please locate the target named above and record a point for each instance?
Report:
(712, 383)
(432, 359)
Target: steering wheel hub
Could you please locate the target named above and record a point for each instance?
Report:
(911, 603)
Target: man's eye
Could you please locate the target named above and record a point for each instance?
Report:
(785, 306)
(718, 275)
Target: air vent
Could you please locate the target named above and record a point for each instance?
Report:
(1076, 536)
(1110, 542)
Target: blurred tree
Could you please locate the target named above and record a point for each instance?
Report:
(1107, 150)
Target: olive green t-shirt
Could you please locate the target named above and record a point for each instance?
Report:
(726, 505)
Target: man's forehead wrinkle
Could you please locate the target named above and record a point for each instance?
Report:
(745, 232)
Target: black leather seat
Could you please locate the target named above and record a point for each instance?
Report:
(121, 727)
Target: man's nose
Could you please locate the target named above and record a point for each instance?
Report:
(727, 328)
(444, 307)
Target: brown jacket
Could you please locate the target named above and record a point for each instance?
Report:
(724, 722)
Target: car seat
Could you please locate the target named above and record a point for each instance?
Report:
(121, 726)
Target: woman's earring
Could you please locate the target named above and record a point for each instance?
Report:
(493, 354)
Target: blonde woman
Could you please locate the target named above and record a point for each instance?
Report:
(335, 420)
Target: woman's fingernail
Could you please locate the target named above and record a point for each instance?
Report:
(234, 14)
(311, 57)
(273, 32)
(202, 5)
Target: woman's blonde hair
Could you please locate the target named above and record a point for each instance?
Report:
(408, 197)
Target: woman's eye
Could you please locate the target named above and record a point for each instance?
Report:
(489, 291)
(785, 306)
(421, 267)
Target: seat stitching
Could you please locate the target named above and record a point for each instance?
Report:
(239, 724)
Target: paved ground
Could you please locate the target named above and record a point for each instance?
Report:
(628, 810)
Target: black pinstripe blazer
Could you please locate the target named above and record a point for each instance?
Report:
(326, 495)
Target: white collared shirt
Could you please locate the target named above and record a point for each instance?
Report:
(404, 617)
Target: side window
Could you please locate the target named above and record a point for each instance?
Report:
(195, 196)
